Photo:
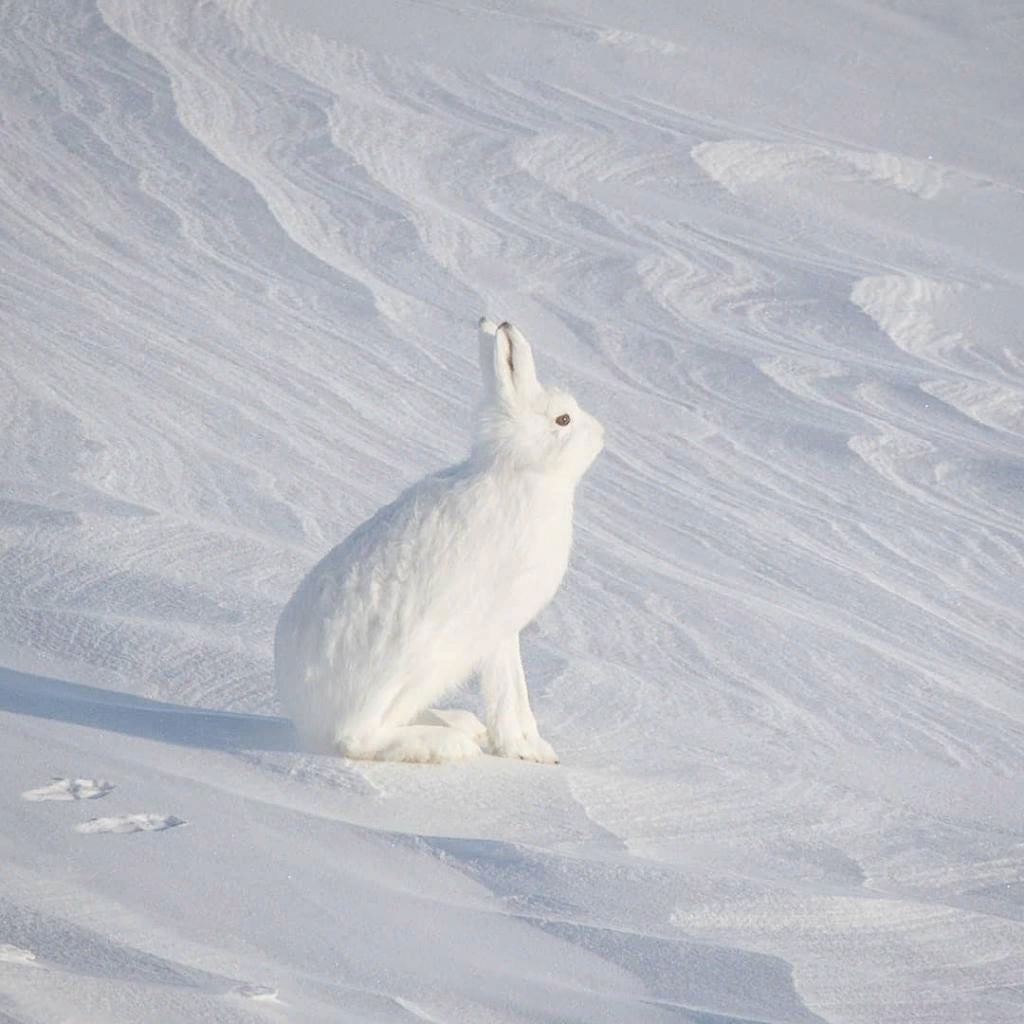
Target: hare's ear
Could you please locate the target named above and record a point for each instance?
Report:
(506, 361)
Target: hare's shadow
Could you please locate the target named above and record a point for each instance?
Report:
(58, 701)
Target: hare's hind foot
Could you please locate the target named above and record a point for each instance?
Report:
(417, 743)
(455, 718)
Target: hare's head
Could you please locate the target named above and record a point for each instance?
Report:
(523, 424)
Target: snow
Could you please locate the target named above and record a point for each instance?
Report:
(774, 248)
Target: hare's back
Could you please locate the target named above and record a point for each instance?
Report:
(393, 570)
(440, 575)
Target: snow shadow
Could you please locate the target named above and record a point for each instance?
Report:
(58, 943)
(76, 704)
(693, 980)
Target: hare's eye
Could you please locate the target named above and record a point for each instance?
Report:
(563, 420)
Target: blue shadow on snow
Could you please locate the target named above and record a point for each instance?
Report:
(76, 704)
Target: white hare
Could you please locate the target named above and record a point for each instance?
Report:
(436, 586)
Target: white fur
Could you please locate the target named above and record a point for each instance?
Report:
(436, 586)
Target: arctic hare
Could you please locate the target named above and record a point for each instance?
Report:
(437, 585)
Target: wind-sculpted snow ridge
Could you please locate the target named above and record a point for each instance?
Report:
(776, 250)
(737, 163)
(946, 324)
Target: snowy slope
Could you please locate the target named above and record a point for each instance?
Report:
(775, 248)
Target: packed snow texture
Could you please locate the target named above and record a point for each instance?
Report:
(775, 248)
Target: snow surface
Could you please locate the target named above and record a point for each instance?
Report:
(775, 247)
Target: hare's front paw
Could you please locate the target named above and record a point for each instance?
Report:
(526, 748)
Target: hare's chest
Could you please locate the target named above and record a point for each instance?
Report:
(514, 550)
(535, 565)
